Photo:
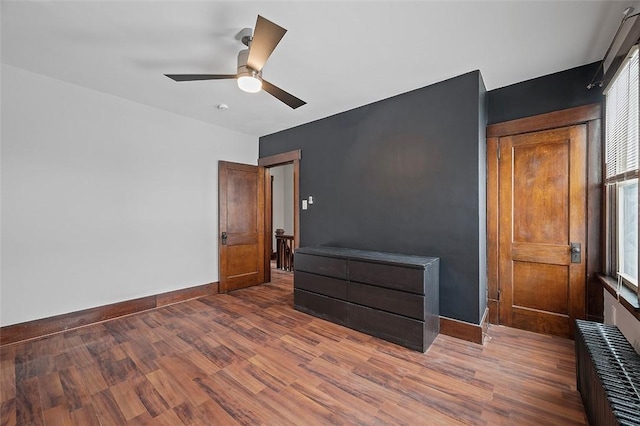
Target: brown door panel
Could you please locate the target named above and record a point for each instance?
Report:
(549, 324)
(542, 210)
(541, 286)
(542, 253)
(242, 239)
(241, 225)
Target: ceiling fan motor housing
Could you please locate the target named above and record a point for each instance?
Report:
(243, 69)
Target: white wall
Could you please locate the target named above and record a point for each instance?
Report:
(103, 199)
(627, 323)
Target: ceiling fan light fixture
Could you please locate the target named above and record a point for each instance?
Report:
(250, 81)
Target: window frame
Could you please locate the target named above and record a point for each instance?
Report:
(610, 194)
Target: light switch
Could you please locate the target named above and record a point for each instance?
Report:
(304, 204)
(310, 199)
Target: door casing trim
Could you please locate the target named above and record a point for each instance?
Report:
(591, 116)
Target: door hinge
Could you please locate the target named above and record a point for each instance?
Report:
(498, 295)
(498, 151)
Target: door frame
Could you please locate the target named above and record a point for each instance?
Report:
(591, 116)
(290, 157)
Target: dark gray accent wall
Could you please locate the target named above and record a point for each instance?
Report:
(482, 195)
(406, 175)
(553, 92)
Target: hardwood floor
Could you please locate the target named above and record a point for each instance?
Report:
(249, 358)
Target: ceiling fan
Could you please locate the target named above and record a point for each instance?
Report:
(261, 44)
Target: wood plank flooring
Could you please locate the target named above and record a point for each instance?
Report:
(249, 358)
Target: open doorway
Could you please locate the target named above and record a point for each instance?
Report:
(283, 233)
(287, 165)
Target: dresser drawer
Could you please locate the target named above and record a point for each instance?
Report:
(327, 286)
(389, 276)
(398, 302)
(320, 306)
(327, 266)
(394, 328)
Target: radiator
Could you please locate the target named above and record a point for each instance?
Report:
(608, 375)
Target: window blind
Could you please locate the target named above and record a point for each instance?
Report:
(623, 122)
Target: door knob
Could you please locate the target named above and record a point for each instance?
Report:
(224, 238)
(576, 253)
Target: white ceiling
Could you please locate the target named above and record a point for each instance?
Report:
(336, 55)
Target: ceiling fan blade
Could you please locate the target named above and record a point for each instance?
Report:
(266, 37)
(283, 96)
(193, 77)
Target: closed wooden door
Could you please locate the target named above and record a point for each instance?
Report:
(241, 225)
(542, 210)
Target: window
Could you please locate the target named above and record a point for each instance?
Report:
(621, 172)
(628, 230)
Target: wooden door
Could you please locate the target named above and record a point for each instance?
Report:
(241, 225)
(542, 210)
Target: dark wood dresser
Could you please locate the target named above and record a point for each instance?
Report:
(387, 295)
